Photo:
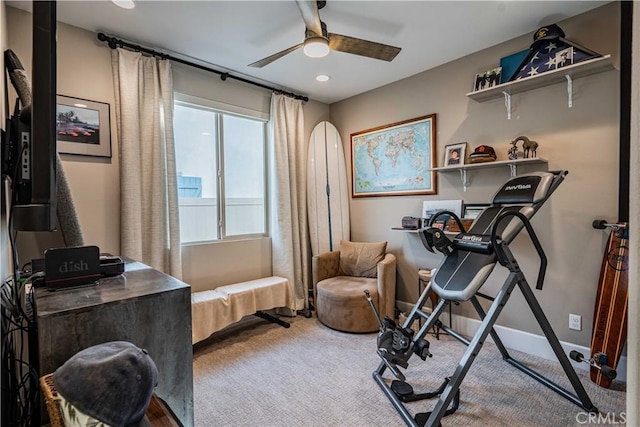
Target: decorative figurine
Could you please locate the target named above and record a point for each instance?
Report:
(529, 147)
(513, 151)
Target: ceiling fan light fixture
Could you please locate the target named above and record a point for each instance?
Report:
(125, 4)
(316, 47)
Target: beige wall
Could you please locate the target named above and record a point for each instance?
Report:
(583, 140)
(84, 70)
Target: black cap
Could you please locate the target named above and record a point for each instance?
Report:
(111, 382)
(548, 32)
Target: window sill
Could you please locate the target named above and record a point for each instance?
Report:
(227, 240)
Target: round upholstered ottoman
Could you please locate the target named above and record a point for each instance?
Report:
(341, 303)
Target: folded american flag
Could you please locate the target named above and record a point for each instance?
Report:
(550, 55)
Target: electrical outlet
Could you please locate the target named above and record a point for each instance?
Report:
(575, 322)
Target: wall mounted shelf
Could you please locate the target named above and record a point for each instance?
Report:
(568, 74)
(511, 164)
(415, 231)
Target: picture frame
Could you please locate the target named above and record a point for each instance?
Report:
(430, 207)
(564, 58)
(397, 159)
(488, 79)
(83, 127)
(472, 210)
(455, 154)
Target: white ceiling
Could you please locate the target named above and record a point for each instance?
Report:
(230, 35)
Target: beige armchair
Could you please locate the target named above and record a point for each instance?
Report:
(340, 278)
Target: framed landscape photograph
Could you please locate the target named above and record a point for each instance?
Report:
(455, 154)
(83, 127)
(395, 159)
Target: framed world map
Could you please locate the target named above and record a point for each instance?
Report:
(395, 160)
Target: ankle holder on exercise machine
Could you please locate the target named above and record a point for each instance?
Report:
(396, 343)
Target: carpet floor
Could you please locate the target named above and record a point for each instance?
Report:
(257, 373)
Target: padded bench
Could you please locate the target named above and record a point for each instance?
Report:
(213, 310)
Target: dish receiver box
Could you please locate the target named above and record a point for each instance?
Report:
(74, 266)
(111, 265)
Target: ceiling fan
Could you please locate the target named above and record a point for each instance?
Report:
(318, 42)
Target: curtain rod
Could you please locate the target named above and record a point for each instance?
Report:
(114, 43)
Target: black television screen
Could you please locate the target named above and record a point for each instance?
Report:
(34, 189)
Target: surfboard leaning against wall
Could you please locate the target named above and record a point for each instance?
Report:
(327, 190)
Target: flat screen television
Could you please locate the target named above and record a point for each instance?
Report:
(33, 139)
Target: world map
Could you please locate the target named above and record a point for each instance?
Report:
(396, 159)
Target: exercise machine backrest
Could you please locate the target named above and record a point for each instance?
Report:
(461, 273)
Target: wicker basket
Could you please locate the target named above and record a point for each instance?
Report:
(158, 413)
(52, 400)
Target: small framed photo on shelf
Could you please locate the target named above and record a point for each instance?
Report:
(472, 210)
(489, 78)
(564, 58)
(455, 154)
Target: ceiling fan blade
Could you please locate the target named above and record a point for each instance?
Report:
(363, 47)
(310, 16)
(269, 59)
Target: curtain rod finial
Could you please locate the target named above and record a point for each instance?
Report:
(111, 41)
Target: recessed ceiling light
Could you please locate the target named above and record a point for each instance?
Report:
(125, 4)
(323, 78)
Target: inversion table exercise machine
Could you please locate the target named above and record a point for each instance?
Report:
(469, 260)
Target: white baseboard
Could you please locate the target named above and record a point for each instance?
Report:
(526, 342)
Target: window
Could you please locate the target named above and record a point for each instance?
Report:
(221, 163)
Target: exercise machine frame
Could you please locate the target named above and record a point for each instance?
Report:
(515, 278)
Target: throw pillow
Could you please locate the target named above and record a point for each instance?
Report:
(360, 259)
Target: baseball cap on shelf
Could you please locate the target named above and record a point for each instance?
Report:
(548, 32)
(112, 382)
(482, 153)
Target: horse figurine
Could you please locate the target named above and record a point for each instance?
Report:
(528, 146)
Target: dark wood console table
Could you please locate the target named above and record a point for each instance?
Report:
(143, 306)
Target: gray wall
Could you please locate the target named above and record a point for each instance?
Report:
(95, 184)
(583, 140)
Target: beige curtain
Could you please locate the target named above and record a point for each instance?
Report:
(150, 230)
(288, 203)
